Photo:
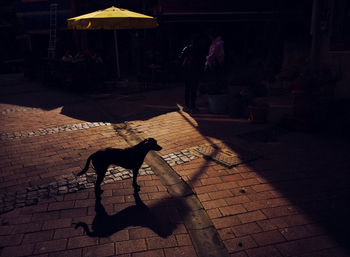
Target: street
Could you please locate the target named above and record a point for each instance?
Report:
(291, 200)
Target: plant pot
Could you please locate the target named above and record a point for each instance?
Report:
(258, 114)
(218, 103)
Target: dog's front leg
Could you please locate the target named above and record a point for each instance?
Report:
(100, 177)
(135, 172)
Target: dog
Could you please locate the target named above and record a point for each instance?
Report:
(128, 158)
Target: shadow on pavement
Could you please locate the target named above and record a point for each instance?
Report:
(162, 218)
(16, 90)
(116, 109)
(309, 170)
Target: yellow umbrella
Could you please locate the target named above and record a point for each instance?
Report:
(112, 18)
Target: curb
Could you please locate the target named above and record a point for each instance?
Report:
(205, 238)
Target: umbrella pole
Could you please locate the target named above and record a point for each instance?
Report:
(116, 53)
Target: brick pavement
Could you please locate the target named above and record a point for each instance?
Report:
(286, 204)
(46, 229)
(276, 206)
(45, 158)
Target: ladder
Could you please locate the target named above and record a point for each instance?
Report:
(53, 30)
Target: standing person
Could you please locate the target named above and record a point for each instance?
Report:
(215, 61)
(191, 63)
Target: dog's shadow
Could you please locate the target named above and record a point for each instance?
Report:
(105, 225)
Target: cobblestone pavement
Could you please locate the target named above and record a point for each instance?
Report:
(48, 131)
(291, 202)
(71, 184)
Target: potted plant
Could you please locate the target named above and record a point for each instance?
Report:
(218, 102)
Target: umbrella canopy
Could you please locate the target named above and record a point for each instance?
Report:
(112, 18)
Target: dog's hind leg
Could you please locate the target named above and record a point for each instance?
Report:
(135, 172)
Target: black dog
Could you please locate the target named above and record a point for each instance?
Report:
(128, 158)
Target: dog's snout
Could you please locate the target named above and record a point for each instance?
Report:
(153, 145)
(157, 147)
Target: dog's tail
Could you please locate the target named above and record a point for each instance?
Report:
(86, 166)
(86, 229)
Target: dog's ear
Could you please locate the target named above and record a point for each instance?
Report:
(149, 140)
(152, 144)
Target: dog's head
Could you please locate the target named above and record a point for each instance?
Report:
(152, 144)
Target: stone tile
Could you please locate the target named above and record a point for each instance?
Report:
(131, 246)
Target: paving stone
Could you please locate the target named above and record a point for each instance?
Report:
(72, 190)
(63, 189)
(73, 184)
(185, 159)
(20, 204)
(8, 208)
